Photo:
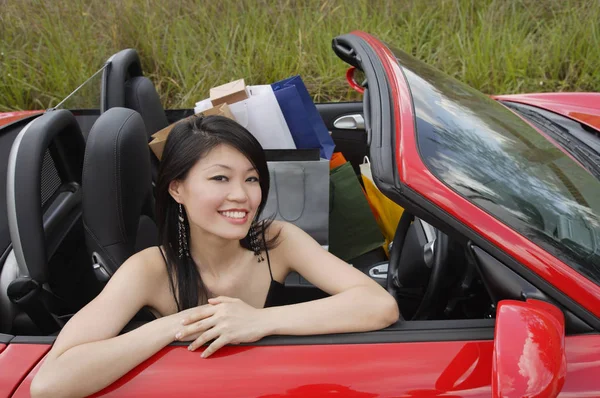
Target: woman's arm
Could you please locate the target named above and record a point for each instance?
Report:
(357, 303)
(87, 349)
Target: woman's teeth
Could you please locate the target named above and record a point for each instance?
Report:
(234, 214)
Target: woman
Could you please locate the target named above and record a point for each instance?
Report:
(217, 276)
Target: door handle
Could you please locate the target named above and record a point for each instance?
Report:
(350, 122)
(379, 271)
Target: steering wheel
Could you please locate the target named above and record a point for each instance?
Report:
(435, 255)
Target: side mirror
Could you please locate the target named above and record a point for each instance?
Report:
(529, 350)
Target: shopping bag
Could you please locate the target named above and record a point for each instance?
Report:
(337, 159)
(299, 194)
(261, 115)
(353, 230)
(302, 117)
(288, 155)
(159, 139)
(229, 93)
(388, 212)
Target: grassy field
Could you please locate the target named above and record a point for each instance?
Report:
(497, 46)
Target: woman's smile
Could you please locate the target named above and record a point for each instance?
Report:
(235, 216)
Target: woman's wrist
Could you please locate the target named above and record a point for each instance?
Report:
(169, 326)
(269, 321)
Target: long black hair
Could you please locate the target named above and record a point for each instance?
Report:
(188, 142)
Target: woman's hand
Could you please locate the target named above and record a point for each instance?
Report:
(225, 320)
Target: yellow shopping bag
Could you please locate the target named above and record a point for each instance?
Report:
(388, 212)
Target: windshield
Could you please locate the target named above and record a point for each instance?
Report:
(582, 144)
(493, 158)
(86, 96)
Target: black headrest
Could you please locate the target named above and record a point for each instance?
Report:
(122, 66)
(46, 155)
(141, 96)
(117, 186)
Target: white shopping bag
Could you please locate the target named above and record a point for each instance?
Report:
(261, 115)
(203, 105)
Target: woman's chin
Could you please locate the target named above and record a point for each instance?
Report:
(232, 232)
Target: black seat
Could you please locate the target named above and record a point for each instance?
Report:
(118, 205)
(125, 86)
(44, 203)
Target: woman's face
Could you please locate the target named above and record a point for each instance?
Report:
(221, 193)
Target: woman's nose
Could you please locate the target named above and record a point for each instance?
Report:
(238, 193)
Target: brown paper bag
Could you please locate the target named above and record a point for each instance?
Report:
(230, 93)
(160, 137)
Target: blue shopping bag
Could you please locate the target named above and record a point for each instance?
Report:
(302, 117)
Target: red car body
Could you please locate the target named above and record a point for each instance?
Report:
(564, 366)
(583, 107)
(9, 117)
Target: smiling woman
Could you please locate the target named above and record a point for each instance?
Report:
(208, 281)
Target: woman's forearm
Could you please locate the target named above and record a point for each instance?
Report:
(344, 312)
(89, 367)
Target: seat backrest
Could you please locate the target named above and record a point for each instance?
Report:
(44, 195)
(34, 177)
(118, 205)
(123, 85)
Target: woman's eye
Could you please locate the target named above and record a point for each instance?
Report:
(252, 179)
(219, 178)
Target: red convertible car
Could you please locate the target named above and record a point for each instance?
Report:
(495, 264)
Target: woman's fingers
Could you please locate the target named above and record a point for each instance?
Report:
(228, 321)
(217, 344)
(204, 338)
(198, 313)
(190, 331)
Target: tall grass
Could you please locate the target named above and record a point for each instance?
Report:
(497, 46)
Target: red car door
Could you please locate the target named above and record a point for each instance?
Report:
(426, 369)
(348, 370)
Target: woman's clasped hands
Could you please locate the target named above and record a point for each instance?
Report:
(225, 320)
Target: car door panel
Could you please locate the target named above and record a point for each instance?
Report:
(352, 142)
(360, 370)
(423, 369)
(16, 361)
(583, 366)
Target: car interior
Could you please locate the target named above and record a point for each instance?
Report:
(67, 228)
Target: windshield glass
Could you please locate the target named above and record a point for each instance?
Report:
(86, 96)
(493, 158)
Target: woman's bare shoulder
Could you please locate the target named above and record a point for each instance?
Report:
(283, 230)
(276, 231)
(150, 258)
(148, 265)
(287, 237)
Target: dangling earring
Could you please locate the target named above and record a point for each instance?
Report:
(254, 243)
(183, 240)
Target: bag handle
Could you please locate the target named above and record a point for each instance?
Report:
(290, 218)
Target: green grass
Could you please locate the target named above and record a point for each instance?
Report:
(497, 46)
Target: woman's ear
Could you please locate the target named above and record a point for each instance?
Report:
(175, 190)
